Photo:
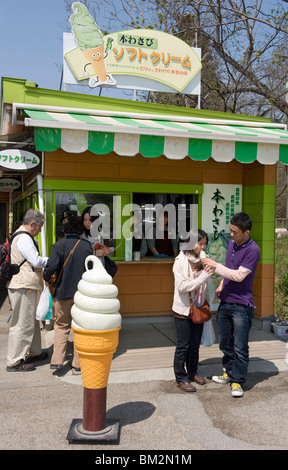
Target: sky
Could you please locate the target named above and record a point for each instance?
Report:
(31, 33)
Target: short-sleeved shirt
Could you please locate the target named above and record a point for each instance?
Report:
(246, 255)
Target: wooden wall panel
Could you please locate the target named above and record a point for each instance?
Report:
(111, 167)
(147, 289)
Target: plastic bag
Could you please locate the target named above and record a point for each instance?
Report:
(208, 335)
(49, 314)
(43, 304)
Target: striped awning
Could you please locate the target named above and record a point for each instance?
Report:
(151, 136)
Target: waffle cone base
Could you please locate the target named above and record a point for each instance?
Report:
(95, 349)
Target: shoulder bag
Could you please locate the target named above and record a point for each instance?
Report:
(199, 314)
(54, 278)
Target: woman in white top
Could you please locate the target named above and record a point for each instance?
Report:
(191, 279)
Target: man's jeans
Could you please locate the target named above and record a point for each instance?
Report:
(234, 323)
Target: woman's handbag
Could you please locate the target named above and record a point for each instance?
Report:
(54, 278)
(199, 314)
(53, 283)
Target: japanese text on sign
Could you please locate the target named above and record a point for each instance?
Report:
(231, 206)
(155, 57)
(137, 41)
(18, 159)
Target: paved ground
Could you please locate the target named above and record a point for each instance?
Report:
(37, 408)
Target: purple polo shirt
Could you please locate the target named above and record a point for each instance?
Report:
(247, 256)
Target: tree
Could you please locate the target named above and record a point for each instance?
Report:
(246, 39)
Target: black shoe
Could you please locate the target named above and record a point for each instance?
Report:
(56, 366)
(21, 367)
(41, 357)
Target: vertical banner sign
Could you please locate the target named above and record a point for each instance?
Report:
(219, 203)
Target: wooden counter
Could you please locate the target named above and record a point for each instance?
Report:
(145, 287)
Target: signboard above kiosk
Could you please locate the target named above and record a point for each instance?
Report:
(141, 59)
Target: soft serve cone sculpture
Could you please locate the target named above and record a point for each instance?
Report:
(96, 322)
(89, 38)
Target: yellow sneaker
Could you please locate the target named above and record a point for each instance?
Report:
(236, 390)
(221, 379)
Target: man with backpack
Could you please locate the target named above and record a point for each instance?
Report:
(24, 343)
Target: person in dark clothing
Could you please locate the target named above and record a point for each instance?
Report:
(100, 250)
(166, 242)
(66, 286)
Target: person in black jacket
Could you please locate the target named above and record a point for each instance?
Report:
(66, 286)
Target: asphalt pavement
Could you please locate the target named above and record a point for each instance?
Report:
(154, 417)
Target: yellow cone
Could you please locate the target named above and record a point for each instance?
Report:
(96, 58)
(95, 349)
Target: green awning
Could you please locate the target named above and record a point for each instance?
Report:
(152, 136)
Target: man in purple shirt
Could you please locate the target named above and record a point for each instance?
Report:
(236, 307)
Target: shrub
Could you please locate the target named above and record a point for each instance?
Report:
(281, 279)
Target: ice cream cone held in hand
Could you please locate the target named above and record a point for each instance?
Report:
(96, 322)
(203, 255)
(89, 38)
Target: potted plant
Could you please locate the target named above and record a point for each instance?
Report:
(280, 325)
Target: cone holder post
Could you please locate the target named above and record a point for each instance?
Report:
(95, 349)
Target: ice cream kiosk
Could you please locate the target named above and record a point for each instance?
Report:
(125, 155)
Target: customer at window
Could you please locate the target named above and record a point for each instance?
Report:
(66, 286)
(97, 242)
(24, 342)
(190, 280)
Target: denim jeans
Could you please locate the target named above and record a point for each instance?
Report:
(234, 323)
(186, 356)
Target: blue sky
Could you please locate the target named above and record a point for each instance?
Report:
(31, 42)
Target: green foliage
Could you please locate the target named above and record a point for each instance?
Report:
(281, 279)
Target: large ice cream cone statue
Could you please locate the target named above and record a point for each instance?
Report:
(95, 349)
(89, 38)
(96, 322)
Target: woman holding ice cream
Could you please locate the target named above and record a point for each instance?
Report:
(190, 280)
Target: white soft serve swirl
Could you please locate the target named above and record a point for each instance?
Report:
(96, 306)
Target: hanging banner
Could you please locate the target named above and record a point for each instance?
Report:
(137, 58)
